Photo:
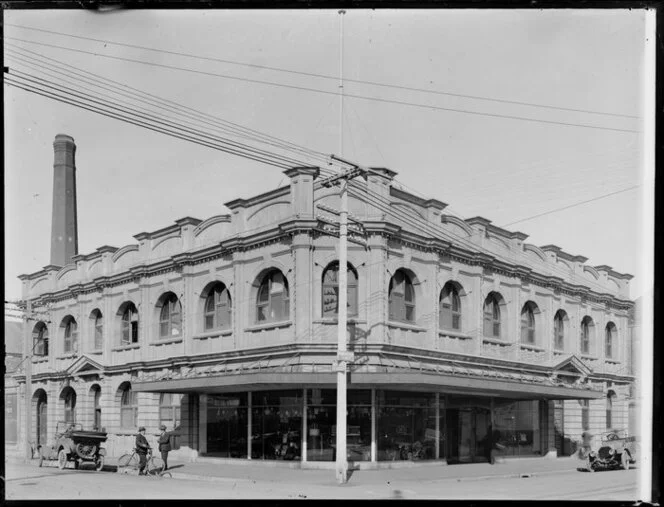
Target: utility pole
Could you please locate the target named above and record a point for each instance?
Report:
(342, 461)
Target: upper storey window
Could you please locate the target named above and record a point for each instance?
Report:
(97, 322)
(217, 312)
(170, 316)
(528, 323)
(70, 335)
(492, 317)
(610, 334)
(559, 327)
(330, 303)
(401, 296)
(587, 328)
(40, 339)
(272, 301)
(128, 324)
(449, 308)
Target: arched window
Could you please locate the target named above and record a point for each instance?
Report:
(492, 316)
(610, 333)
(559, 322)
(586, 330)
(128, 407)
(169, 413)
(449, 308)
(330, 303)
(129, 324)
(401, 297)
(40, 339)
(272, 300)
(170, 317)
(70, 335)
(97, 329)
(95, 391)
(609, 409)
(69, 398)
(217, 313)
(527, 324)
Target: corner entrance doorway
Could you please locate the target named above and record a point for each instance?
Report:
(468, 430)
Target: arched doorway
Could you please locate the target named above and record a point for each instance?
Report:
(42, 417)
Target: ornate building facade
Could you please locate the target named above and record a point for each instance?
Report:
(225, 329)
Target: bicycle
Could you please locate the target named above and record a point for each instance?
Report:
(153, 468)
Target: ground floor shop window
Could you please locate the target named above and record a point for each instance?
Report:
(276, 424)
(406, 426)
(227, 425)
(517, 427)
(322, 425)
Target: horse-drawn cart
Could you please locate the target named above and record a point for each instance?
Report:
(72, 443)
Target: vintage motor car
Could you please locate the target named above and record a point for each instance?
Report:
(617, 451)
(73, 444)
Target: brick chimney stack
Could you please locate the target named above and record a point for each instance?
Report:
(64, 231)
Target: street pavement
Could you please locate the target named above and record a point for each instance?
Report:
(522, 479)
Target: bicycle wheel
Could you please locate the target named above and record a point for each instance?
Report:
(128, 460)
(155, 466)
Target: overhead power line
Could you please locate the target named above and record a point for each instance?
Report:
(572, 205)
(326, 92)
(322, 76)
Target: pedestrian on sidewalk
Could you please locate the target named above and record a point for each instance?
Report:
(142, 448)
(164, 445)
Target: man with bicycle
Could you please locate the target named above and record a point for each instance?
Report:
(142, 449)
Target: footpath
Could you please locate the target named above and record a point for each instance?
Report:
(273, 472)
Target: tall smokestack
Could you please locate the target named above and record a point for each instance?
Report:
(64, 231)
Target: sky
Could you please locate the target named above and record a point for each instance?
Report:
(469, 145)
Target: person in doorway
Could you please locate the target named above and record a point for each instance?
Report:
(142, 449)
(164, 444)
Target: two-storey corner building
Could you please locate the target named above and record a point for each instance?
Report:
(225, 328)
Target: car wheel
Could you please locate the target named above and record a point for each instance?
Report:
(100, 464)
(62, 459)
(624, 459)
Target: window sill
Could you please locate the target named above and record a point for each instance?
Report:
(268, 325)
(532, 347)
(95, 352)
(334, 321)
(126, 347)
(586, 356)
(213, 334)
(405, 326)
(40, 359)
(496, 341)
(611, 361)
(454, 334)
(167, 341)
(67, 356)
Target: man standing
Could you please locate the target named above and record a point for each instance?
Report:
(142, 448)
(164, 444)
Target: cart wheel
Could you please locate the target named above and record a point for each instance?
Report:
(62, 459)
(99, 464)
(624, 460)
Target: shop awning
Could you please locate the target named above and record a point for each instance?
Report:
(453, 384)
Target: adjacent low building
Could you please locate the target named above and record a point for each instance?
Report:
(226, 329)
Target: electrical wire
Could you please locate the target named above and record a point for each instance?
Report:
(323, 76)
(346, 95)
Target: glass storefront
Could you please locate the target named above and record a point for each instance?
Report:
(227, 425)
(408, 426)
(276, 425)
(322, 425)
(517, 427)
